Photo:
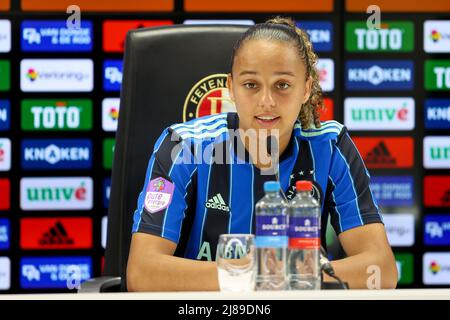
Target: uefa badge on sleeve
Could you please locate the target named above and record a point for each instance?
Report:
(158, 195)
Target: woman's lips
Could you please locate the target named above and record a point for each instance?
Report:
(267, 123)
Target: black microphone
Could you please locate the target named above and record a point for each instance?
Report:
(325, 266)
(273, 152)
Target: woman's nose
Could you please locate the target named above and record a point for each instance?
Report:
(266, 99)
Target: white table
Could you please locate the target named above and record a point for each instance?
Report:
(399, 294)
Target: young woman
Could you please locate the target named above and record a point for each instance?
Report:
(185, 205)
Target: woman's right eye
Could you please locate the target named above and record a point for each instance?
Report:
(250, 85)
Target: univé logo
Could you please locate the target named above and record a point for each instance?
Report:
(207, 97)
(63, 193)
(379, 113)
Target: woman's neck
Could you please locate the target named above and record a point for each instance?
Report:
(258, 155)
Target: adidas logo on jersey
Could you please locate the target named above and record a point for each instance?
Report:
(217, 202)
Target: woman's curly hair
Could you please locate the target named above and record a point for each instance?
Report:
(284, 29)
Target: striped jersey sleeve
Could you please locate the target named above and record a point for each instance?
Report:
(349, 198)
(168, 188)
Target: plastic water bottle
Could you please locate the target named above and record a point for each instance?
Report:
(271, 239)
(303, 270)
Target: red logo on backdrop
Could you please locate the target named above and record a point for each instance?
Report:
(386, 152)
(328, 112)
(115, 31)
(5, 194)
(436, 191)
(56, 233)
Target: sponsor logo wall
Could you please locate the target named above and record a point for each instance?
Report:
(397, 110)
(59, 111)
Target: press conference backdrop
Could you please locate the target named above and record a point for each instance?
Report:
(59, 105)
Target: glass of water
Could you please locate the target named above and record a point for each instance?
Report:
(236, 262)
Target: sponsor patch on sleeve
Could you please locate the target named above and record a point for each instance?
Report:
(158, 195)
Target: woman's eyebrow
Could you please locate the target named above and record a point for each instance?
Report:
(242, 73)
(277, 73)
(284, 73)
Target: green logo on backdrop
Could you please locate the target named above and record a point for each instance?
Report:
(4, 75)
(437, 74)
(405, 266)
(56, 114)
(393, 36)
(108, 152)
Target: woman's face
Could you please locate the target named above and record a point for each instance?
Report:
(268, 86)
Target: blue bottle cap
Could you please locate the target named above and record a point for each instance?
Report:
(271, 186)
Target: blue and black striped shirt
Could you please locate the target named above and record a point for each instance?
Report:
(192, 202)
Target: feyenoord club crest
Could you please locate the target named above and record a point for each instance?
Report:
(207, 97)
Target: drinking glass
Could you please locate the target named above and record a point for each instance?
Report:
(236, 262)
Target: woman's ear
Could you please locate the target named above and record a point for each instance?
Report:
(308, 89)
(230, 86)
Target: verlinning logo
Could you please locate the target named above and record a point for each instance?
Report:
(218, 203)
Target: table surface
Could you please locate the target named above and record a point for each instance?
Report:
(399, 294)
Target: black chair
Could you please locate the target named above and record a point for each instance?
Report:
(161, 66)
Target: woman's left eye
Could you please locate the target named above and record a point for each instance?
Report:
(283, 85)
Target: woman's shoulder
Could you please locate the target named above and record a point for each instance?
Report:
(201, 128)
(328, 130)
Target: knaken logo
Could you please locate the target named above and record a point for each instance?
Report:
(437, 113)
(59, 75)
(437, 230)
(54, 35)
(54, 272)
(56, 154)
(393, 191)
(112, 71)
(62, 193)
(379, 75)
(320, 34)
(436, 152)
(379, 113)
(207, 97)
(436, 36)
